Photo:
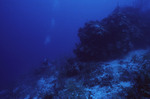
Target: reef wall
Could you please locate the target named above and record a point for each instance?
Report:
(123, 30)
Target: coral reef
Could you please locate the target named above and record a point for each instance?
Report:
(122, 31)
(96, 73)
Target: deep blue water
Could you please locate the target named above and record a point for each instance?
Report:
(31, 30)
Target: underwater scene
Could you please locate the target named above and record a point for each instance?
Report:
(74, 49)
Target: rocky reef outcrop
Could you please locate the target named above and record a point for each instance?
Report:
(122, 31)
(94, 77)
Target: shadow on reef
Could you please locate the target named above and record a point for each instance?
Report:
(125, 29)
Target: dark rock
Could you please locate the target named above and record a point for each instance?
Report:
(125, 29)
(48, 97)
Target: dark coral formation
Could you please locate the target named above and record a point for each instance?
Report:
(125, 29)
(127, 78)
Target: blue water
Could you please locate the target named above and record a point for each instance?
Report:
(31, 30)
